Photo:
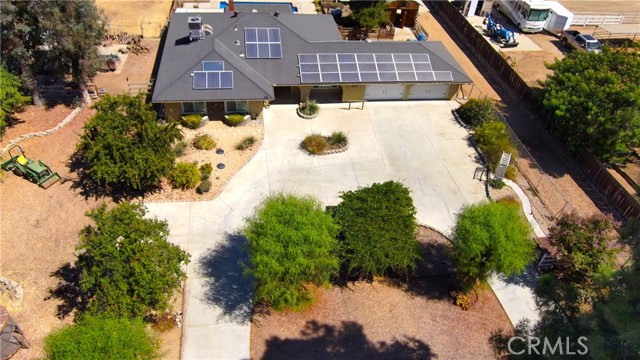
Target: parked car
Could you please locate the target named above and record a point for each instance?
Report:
(580, 42)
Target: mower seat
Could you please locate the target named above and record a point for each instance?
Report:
(22, 160)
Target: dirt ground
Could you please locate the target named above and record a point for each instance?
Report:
(384, 321)
(139, 17)
(612, 6)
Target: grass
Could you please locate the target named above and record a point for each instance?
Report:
(246, 143)
(315, 144)
(310, 108)
(338, 139)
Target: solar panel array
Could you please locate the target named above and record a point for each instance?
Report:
(212, 80)
(355, 68)
(262, 43)
(212, 65)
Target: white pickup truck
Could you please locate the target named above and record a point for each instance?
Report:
(581, 42)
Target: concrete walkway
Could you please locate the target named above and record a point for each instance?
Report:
(417, 143)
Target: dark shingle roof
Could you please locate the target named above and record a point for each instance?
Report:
(254, 78)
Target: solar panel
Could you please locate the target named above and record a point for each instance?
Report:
(420, 58)
(212, 65)
(443, 75)
(388, 76)
(307, 59)
(310, 77)
(367, 67)
(425, 76)
(327, 58)
(329, 67)
(365, 57)
(226, 79)
(402, 58)
(404, 66)
(330, 77)
(386, 67)
(406, 76)
(347, 58)
(309, 68)
(262, 43)
(422, 67)
(348, 67)
(199, 80)
(384, 58)
(212, 80)
(369, 76)
(350, 77)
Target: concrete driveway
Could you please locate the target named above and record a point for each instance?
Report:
(416, 143)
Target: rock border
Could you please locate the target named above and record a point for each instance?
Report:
(304, 116)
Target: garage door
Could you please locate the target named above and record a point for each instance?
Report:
(384, 92)
(429, 92)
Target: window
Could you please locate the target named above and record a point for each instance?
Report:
(193, 108)
(236, 107)
(538, 15)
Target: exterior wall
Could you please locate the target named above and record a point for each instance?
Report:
(305, 91)
(173, 111)
(255, 108)
(353, 92)
(453, 91)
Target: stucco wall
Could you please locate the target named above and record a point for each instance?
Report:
(172, 111)
(255, 108)
(453, 91)
(353, 92)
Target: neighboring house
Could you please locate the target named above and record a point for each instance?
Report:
(219, 63)
(474, 7)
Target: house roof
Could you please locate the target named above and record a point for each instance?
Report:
(253, 79)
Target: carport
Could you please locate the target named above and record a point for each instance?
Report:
(617, 31)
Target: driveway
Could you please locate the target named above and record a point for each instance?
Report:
(416, 143)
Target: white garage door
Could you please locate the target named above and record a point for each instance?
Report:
(384, 92)
(429, 92)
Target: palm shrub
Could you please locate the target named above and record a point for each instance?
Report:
(184, 176)
(476, 112)
(315, 144)
(203, 142)
(338, 139)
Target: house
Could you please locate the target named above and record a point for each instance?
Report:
(220, 63)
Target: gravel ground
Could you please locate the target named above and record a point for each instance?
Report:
(383, 321)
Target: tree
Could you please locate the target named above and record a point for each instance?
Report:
(96, 338)
(291, 243)
(10, 97)
(593, 101)
(124, 145)
(490, 237)
(50, 35)
(128, 268)
(372, 16)
(378, 229)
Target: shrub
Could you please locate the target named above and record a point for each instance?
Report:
(205, 171)
(476, 112)
(378, 229)
(192, 121)
(102, 338)
(463, 301)
(184, 176)
(338, 139)
(128, 267)
(315, 144)
(291, 243)
(235, 119)
(179, 148)
(310, 108)
(496, 183)
(204, 187)
(203, 142)
(492, 138)
(246, 143)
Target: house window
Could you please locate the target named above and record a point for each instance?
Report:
(236, 107)
(193, 108)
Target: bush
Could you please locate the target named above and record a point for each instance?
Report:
(192, 121)
(179, 148)
(378, 229)
(292, 243)
(129, 269)
(203, 142)
(205, 171)
(338, 139)
(204, 187)
(184, 176)
(310, 107)
(315, 144)
(496, 183)
(372, 16)
(235, 119)
(246, 143)
(476, 112)
(492, 138)
(102, 338)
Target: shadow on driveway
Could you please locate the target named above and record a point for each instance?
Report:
(225, 286)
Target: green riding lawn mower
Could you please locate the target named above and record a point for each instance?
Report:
(38, 172)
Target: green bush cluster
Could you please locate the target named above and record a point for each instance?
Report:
(184, 176)
(205, 171)
(192, 121)
(310, 107)
(315, 144)
(204, 187)
(493, 138)
(338, 139)
(476, 112)
(235, 119)
(246, 143)
(203, 142)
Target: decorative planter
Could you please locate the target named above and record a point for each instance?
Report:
(304, 116)
(336, 150)
(244, 122)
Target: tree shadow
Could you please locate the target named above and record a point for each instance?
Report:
(346, 341)
(434, 274)
(528, 278)
(225, 285)
(68, 290)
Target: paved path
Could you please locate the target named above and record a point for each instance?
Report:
(417, 143)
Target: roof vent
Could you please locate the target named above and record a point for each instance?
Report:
(237, 42)
(276, 13)
(254, 11)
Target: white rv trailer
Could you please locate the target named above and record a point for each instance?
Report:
(529, 15)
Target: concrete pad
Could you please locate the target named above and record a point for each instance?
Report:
(524, 43)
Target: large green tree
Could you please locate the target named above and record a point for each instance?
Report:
(593, 101)
(128, 268)
(291, 243)
(373, 15)
(124, 146)
(491, 237)
(50, 35)
(378, 230)
(10, 97)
